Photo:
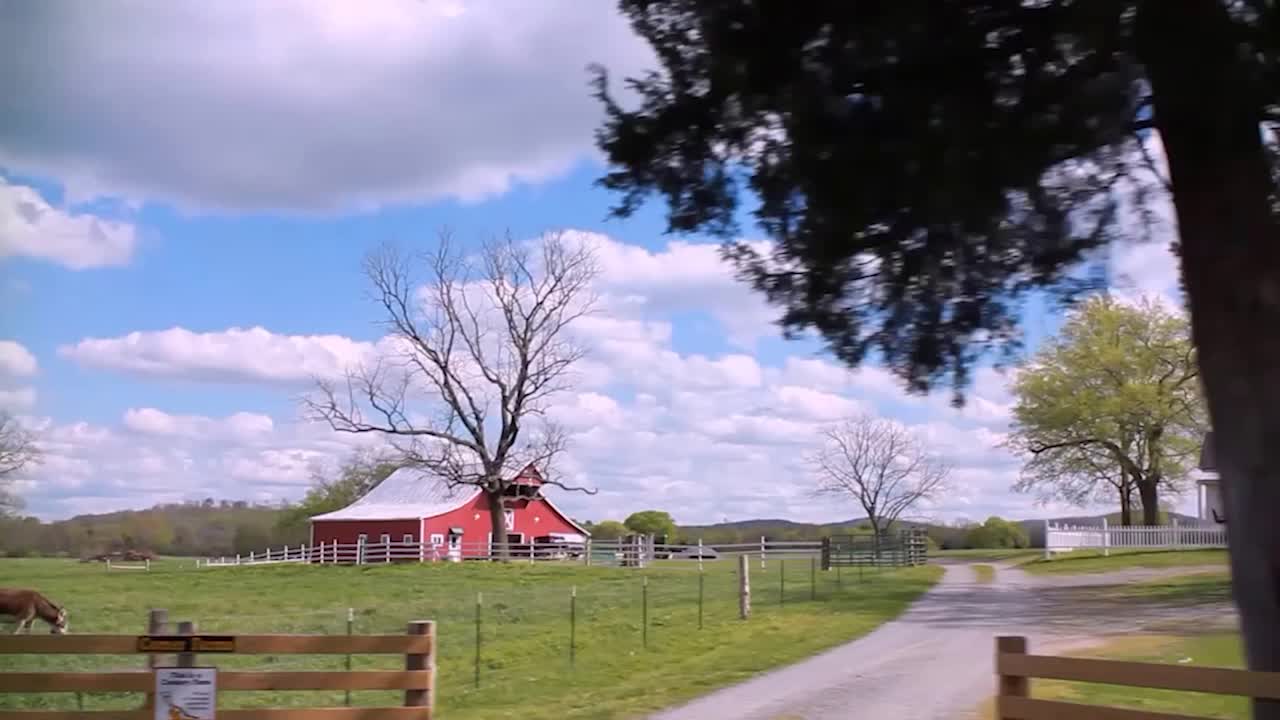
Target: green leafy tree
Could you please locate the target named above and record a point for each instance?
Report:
(997, 532)
(651, 522)
(356, 476)
(1112, 403)
(608, 530)
(250, 538)
(920, 166)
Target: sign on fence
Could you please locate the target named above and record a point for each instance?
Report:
(186, 693)
(186, 644)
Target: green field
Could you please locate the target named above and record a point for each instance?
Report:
(524, 670)
(1089, 561)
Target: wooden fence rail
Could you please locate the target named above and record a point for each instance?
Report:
(417, 680)
(1015, 669)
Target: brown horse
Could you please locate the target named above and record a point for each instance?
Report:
(25, 606)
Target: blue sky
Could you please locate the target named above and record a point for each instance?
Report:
(180, 249)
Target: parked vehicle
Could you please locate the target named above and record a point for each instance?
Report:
(695, 553)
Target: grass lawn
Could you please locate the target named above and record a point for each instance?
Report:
(1191, 589)
(1088, 561)
(1209, 650)
(990, 554)
(524, 671)
(984, 573)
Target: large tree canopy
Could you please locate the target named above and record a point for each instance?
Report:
(918, 165)
(1112, 403)
(921, 165)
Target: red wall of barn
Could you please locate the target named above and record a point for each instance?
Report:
(348, 531)
(533, 518)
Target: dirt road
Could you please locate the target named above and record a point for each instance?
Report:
(935, 661)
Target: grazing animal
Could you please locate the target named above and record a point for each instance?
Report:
(24, 606)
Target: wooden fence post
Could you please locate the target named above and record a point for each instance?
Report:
(826, 553)
(157, 623)
(422, 661)
(186, 660)
(744, 586)
(1010, 685)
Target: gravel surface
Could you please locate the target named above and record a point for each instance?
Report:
(935, 662)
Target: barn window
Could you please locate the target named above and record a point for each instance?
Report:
(408, 539)
(386, 538)
(363, 538)
(437, 539)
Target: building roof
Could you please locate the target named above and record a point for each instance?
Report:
(406, 494)
(411, 494)
(1208, 459)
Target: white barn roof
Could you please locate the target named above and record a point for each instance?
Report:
(406, 494)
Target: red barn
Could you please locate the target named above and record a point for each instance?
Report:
(411, 507)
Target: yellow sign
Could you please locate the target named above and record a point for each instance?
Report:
(186, 644)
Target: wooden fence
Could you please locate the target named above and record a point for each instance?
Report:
(1015, 668)
(417, 680)
(633, 552)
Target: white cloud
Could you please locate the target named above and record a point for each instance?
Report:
(154, 457)
(17, 399)
(16, 360)
(31, 227)
(236, 354)
(706, 434)
(419, 99)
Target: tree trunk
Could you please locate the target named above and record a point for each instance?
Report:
(500, 549)
(1126, 506)
(1149, 494)
(1207, 117)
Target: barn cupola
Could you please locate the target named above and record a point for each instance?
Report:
(526, 485)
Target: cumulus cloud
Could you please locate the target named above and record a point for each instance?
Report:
(236, 354)
(31, 227)
(419, 99)
(16, 364)
(153, 457)
(16, 360)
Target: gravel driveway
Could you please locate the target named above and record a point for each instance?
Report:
(935, 662)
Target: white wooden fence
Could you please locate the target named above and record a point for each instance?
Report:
(1105, 537)
(634, 552)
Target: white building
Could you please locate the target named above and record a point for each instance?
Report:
(1209, 503)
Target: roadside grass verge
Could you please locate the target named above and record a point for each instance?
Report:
(525, 671)
(984, 573)
(1095, 562)
(1220, 649)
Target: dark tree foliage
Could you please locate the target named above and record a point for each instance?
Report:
(919, 166)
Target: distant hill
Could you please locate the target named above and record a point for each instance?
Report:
(743, 531)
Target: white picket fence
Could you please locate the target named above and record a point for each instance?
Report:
(637, 553)
(1105, 537)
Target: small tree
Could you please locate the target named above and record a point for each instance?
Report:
(476, 354)
(18, 450)
(997, 532)
(651, 522)
(363, 471)
(882, 465)
(608, 530)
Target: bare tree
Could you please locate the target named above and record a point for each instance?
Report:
(18, 450)
(475, 354)
(882, 465)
